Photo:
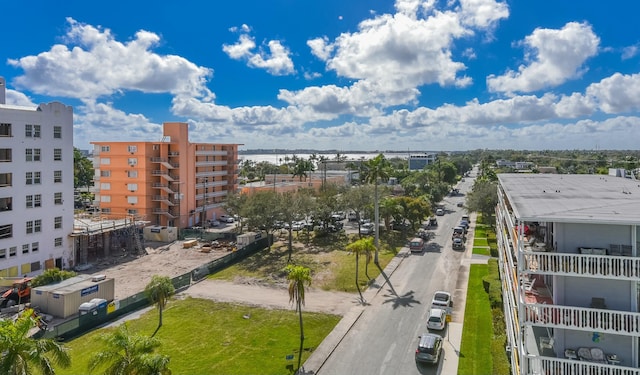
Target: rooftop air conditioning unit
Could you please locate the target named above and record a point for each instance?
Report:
(96, 278)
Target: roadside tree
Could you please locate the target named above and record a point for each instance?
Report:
(158, 291)
(377, 170)
(298, 277)
(362, 246)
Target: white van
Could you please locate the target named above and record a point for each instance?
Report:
(416, 245)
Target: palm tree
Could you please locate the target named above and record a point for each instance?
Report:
(24, 355)
(128, 353)
(298, 276)
(363, 245)
(376, 170)
(158, 291)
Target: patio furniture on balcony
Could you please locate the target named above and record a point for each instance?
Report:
(598, 303)
(613, 359)
(597, 355)
(546, 342)
(584, 354)
(570, 354)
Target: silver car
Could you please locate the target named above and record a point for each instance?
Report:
(429, 348)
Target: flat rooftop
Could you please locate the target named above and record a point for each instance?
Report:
(583, 198)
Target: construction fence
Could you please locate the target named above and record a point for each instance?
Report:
(116, 309)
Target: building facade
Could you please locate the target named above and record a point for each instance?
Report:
(418, 162)
(172, 182)
(570, 271)
(36, 187)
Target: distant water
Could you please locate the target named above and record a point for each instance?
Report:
(280, 158)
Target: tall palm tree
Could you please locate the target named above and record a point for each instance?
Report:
(361, 246)
(127, 353)
(21, 354)
(158, 291)
(298, 276)
(376, 171)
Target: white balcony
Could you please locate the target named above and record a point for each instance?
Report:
(583, 265)
(560, 366)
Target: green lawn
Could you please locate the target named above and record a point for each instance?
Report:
(475, 351)
(206, 337)
(331, 270)
(480, 241)
(481, 251)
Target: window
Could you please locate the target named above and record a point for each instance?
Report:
(6, 231)
(37, 178)
(3, 253)
(57, 132)
(28, 154)
(57, 176)
(57, 242)
(105, 198)
(57, 154)
(29, 178)
(37, 225)
(132, 149)
(6, 204)
(57, 198)
(6, 179)
(104, 173)
(132, 161)
(37, 200)
(105, 148)
(29, 201)
(132, 187)
(5, 130)
(25, 248)
(105, 186)
(36, 131)
(36, 154)
(57, 222)
(28, 131)
(29, 227)
(106, 210)
(156, 147)
(105, 161)
(132, 199)
(35, 246)
(132, 212)
(5, 155)
(13, 251)
(132, 174)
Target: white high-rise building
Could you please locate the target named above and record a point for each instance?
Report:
(36, 187)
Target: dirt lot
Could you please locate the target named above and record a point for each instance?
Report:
(133, 273)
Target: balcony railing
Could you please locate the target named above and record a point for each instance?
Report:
(211, 152)
(582, 319)
(559, 366)
(211, 174)
(165, 162)
(584, 265)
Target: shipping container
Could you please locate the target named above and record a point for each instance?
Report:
(64, 301)
(40, 295)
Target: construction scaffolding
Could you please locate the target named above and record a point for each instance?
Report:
(96, 237)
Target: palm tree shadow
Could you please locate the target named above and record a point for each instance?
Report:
(387, 281)
(405, 300)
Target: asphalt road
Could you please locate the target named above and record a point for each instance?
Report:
(384, 338)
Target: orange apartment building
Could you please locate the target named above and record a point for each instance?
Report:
(172, 182)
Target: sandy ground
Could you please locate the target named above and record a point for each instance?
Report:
(132, 274)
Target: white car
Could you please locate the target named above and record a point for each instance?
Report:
(437, 319)
(367, 228)
(442, 300)
(227, 219)
(439, 212)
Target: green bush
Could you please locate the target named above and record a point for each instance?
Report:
(51, 276)
(495, 288)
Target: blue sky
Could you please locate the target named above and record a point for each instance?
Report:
(335, 75)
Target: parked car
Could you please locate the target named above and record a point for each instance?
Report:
(367, 228)
(429, 348)
(433, 221)
(458, 232)
(227, 219)
(213, 223)
(442, 300)
(466, 218)
(458, 243)
(464, 225)
(439, 212)
(437, 319)
(460, 204)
